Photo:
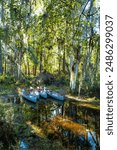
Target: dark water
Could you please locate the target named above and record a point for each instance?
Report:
(86, 117)
(80, 114)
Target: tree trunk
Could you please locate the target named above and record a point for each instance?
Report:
(40, 62)
(25, 65)
(28, 67)
(44, 59)
(5, 67)
(59, 66)
(34, 70)
(59, 58)
(2, 23)
(73, 74)
(64, 61)
(19, 71)
(1, 70)
(25, 69)
(19, 66)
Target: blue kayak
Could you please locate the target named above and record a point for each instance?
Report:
(55, 95)
(31, 97)
(43, 94)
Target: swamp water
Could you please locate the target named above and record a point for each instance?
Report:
(75, 124)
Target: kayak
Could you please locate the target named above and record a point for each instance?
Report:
(55, 95)
(31, 97)
(43, 94)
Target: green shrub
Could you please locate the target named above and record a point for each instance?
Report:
(62, 79)
(7, 79)
(8, 137)
(90, 90)
(2, 78)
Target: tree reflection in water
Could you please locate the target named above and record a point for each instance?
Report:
(75, 124)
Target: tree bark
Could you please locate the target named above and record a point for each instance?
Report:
(59, 71)
(5, 66)
(19, 66)
(64, 61)
(25, 69)
(40, 62)
(34, 70)
(28, 67)
(1, 69)
(73, 74)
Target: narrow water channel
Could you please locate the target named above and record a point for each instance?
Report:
(78, 125)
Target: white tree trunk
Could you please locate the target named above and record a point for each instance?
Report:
(73, 74)
(1, 71)
(19, 67)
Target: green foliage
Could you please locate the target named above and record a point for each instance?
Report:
(8, 137)
(42, 35)
(2, 78)
(89, 89)
(62, 79)
(7, 79)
